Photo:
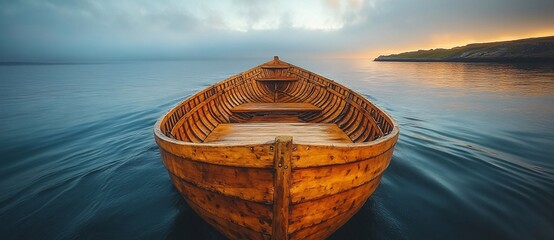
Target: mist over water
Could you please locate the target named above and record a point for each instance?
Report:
(474, 159)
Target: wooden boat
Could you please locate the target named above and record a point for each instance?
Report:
(276, 152)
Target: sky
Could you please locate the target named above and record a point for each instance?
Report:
(65, 30)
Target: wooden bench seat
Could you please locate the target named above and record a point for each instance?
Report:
(277, 79)
(258, 133)
(275, 66)
(275, 108)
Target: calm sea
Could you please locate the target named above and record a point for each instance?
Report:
(475, 158)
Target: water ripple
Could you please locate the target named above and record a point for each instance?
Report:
(473, 161)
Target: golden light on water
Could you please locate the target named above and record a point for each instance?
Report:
(508, 79)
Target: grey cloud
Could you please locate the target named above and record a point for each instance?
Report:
(37, 30)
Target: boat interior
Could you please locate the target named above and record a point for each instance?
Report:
(276, 99)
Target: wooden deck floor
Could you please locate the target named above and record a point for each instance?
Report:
(263, 132)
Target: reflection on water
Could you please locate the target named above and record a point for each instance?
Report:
(474, 158)
(513, 79)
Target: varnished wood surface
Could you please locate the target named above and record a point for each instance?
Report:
(283, 150)
(256, 133)
(275, 119)
(325, 216)
(222, 155)
(194, 119)
(251, 184)
(326, 181)
(331, 150)
(275, 66)
(313, 213)
(254, 216)
(277, 79)
(275, 108)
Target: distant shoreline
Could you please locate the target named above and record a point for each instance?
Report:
(522, 50)
(484, 60)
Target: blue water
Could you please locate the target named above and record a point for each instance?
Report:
(475, 158)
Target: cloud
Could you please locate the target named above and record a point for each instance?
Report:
(130, 29)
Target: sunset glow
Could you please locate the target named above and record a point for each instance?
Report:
(123, 29)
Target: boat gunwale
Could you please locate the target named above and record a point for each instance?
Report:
(159, 134)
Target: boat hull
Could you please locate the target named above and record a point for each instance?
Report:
(280, 189)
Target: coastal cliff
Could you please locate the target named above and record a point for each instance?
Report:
(522, 50)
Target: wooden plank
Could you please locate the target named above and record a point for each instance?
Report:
(259, 133)
(256, 156)
(275, 66)
(251, 184)
(227, 228)
(275, 107)
(254, 216)
(318, 182)
(275, 119)
(283, 149)
(307, 214)
(307, 155)
(324, 229)
(277, 79)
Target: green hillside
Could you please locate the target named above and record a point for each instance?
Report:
(530, 49)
